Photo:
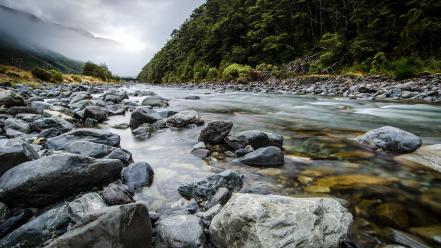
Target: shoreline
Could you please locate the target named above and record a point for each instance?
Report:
(425, 89)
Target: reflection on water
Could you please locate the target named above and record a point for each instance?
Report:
(321, 159)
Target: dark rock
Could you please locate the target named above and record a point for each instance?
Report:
(123, 155)
(257, 139)
(202, 153)
(79, 96)
(84, 205)
(144, 131)
(95, 112)
(115, 96)
(193, 97)
(117, 109)
(184, 119)
(9, 98)
(121, 126)
(264, 157)
(46, 180)
(50, 133)
(89, 149)
(83, 134)
(137, 175)
(155, 101)
(45, 123)
(90, 123)
(221, 197)
(40, 106)
(143, 115)
(180, 231)
(115, 194)
(12, 156)
(215, 132)
(17, 219)
(167, 113)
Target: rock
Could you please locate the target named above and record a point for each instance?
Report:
(79, 96)
(9, 98)
(180, 231)
(221, 196)
(257, 139)
(143, 132)
(44, 181)
(406, 239)
(49, 133)
(167, 113)
(137, 175)
(117, 109)
(115, 96)
(207, 187)
(84, 205)
(18, 125)
(39, 230)
(89, 149)
(185, 118)
(143, 115)
(202, 153)
(125, 226)
(215, 132)
(192, 97)
(115, 194)
(390, 139)
(432, 233)
(123, 155)
(211, 212)
(393, 214)
(428, 156)
(250, 220)
(83, 134)
(155, 101)
(90, 123)
(271, 156)
(95, 112)
(4, 211)
(121, 126)
(40, 106)
(17, 219)
(43, 123)
(12, 156)
(57, 114)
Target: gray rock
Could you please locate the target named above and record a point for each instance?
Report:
(215, 132)
(429, 156)
(96, 112)
(40, 106)
(167, 113)
(16, 219)
(211, 212)
(4, 211)
(117, 109)
(43, 123)
(143, 132)
(84, 205)
(123, 155)
(9, 98)
(180, 231)
(221, 196)
(41, 182)
(143, 115)
(137, 175)
(89, 149)
(184, 119)
(257, 139)
(115, 96)
(155, 101)
(192, 97)
(18, 125)
(390, 139)
(79, 96)
(125, 226)
(116, 194)
(12, 156)
(207, 187)
(121, 126)
(83, 134)
(265, 221)
(202, 153)
(271, 156)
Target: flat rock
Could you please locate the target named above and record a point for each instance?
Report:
(180, 231)
(9, 98)
(89, 149)
(83, 134)
(428, 156)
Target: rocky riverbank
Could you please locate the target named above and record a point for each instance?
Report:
(422, 89)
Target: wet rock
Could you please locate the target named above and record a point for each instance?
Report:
(326, 184)
(40, 106)
(202, 153)
(45, 123)
(9, 98)
(215, 132)
(121, 154)
(271, 156)
(115, 96)
(406, 239)
(192, 97)
(205, 188)
(121, 126)
(390, 139)
(84, 205)
(250, 220)
(12, 156)
(117, 226)
(55, 177)
(89, 149)
(115, 194)
(431, 233)
(39, 230)
(393, 214)
(144, 131)
(4, 211)
(18, 125)
(137, 175)
(161, 124)
(221, 196)
(211, 212)
(155, 101)
(95, 112)
(83, 134)
(180, 231)
(117, 109)
(143, 115)
(79, 96)
(90, 122)
(257, 139)
(17, 219)
(184, 119)
(167, 113)
(428, 156)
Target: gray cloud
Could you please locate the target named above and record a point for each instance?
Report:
(141, 26)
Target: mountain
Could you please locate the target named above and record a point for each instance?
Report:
(327, 36)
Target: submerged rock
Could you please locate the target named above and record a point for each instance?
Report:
(83, 134)
(44, 181)
(215, 132)
(428, 156)
(180, 231)
(271, 156)
(390, 139)
(137, 175)
(184, 119)
(266, 221)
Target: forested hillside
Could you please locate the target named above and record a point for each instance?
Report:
(236, 39)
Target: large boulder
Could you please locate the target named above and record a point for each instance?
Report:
(39, 230)
(124, 226)
(257, 139)
(265, 221)
(137, 175)
(184, 119)
(83, 134)
(9, 98)
(115, 96)
(12, 156)
(271, 156)
(143, 115)
(180, 231)
(96, 112)
(390, 139)
(18, 125)
(215, 132)
(79, 96)
(89, 149)
(155, 101)
(205, 188)
(44, 181)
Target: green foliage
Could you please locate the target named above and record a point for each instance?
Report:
(212, 74)
(42, 74)
(76, 78)
(236, 71)
(56, 76)
(98, 71)
(406, 68)
(2, 69)
(12, 74)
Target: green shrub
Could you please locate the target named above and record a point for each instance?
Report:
(42, 74)
(378, 63)
(406, 68)
(56, 76)
(236, 71)
(212, 74)
(2, 69)
(12, 74)
(98, 71)
(77, 78)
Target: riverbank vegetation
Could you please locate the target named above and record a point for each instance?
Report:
(255, 39)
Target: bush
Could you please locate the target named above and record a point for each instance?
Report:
(77, 78)
(13, 74)
(213, 73)
(2, 69)
(98, 71)
(406, 68)
(56, 76)
(42, 74)
(236, 71)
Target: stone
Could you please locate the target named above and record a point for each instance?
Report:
(432, 233)
(265, 221)
(18, 125)
(390, 139)
(154, 101)
(406, 239)
(393, 214)
(143, 115)
(205, 188)
(192, 97)
(137, 175)
(89, 149)
(327, 183)
(121, 126)
(12, 156)
(43, 123)
(215, 132)
(17, 219)
(96, 112)
(202, 153)
(221, 196)
(4, 211)
(117, 109)
(9, 98)
(144, 131)
(83, 134)
(115, 96)
(184, 119)
(257, 139)
(79, 96)
(180, 231)
(84, 205)
(428, 156)
(167, 113)
(40, 106)
(123, 155)
(115, 194)
(55, 177)
(125, 226)
(271, 156)
(57, 114)
(211, 212)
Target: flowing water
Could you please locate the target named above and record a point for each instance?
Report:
(320, 157)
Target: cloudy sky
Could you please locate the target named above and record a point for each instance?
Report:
(140, 26)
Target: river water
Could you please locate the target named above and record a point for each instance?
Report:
(321, 160)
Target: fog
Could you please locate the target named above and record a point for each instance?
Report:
(122, 34)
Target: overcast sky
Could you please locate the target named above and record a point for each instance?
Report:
(141, 26)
